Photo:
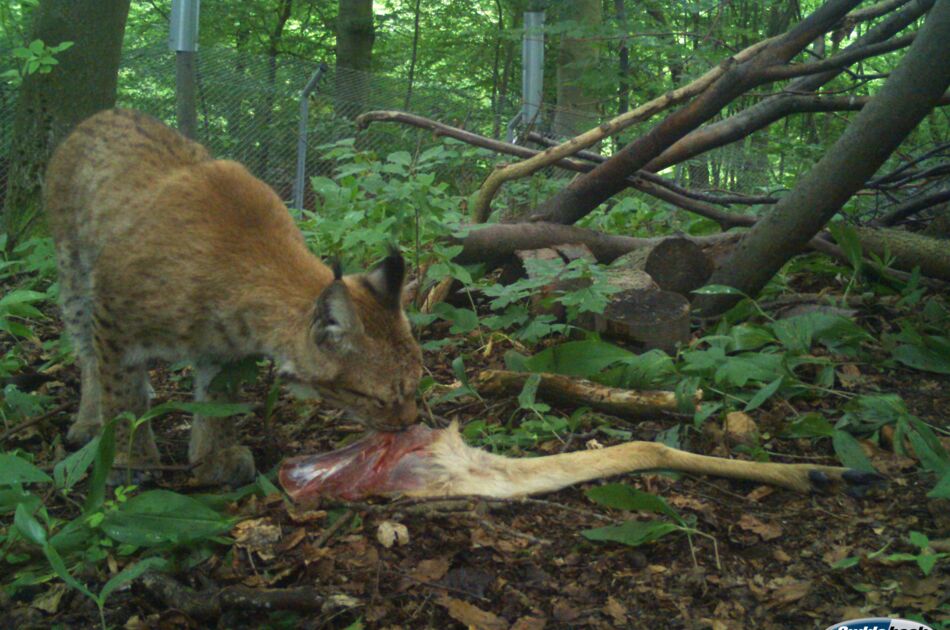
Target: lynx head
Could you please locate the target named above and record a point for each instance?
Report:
(359, 352)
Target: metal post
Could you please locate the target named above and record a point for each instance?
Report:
(183, 39)
(300, 177)
(532, 72)
(532, 65)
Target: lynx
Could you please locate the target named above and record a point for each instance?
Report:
(166, 253)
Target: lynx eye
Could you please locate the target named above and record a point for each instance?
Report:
(378, 402)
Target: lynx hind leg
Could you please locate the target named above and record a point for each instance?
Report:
(213, 448)
(76, 301)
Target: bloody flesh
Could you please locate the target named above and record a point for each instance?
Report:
(378, 464)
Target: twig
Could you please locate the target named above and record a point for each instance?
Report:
(209, 603)
(338, 524)
(34, 421)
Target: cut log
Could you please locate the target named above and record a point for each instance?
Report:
(675, 264)
(562, 389)
(640, 312)
(648, 318)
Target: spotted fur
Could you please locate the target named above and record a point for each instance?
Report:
(166, 253)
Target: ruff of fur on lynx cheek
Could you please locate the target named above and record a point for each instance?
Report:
(432, 463)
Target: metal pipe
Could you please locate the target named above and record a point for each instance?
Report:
(299, 178)
(532, 64)
(183, 40)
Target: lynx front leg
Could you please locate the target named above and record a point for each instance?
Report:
(88, 421)
(213, 449)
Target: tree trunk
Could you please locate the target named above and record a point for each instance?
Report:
(50, 105)
(577, 59)
(623, 59)
(270, 95)
(355, 32)
(415, 52)
(909, 94)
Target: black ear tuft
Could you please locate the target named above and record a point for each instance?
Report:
(337, 269)
(386, 279)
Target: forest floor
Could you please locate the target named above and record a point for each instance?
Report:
(767, 561)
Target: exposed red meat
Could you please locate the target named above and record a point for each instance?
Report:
(378, 464)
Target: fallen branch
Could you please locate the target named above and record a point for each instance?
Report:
(644, 181)
(497, 243)
(34, 421)
(210, 603)
(566, 390)
(913, 206)
(498, 177)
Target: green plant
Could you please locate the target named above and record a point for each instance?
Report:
(925, 557)
(36, 57)
(144, 528)
(635, 533)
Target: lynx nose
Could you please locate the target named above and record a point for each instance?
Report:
(406, 413)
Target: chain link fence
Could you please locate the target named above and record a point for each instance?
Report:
(248, 110)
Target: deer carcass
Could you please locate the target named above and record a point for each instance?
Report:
(424, 462)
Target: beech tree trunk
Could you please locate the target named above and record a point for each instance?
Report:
(909, 94)
(355, 33)
(577, 58)
(50, 105)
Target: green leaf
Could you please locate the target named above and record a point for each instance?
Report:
(631, 533)
(620, 496)
(918, 539)
(926, 445)
(927, 562)
(847, 239)
(160, 516)
(751, 366)
(578, 358)
(128, 574)
(70, 470)
(849, 451)
(28, 526)
(463, 320)
(748, 337)
(10, 498)
(763, 394)
(56, 561)
(526, 399)
(846, 563)
(942, 489)
(207, 409)
(810, 425)
(400, 157)
(15, 470)
(266, 487)
(926, 359)
(101, 467)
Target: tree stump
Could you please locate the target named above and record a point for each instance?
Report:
(676, 264)
(646, 317)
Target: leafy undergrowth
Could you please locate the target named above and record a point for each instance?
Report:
(831, 365)
(709, 553)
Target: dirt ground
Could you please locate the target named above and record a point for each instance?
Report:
(524, 564)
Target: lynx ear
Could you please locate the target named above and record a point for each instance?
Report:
(386, 280)
(335, 317)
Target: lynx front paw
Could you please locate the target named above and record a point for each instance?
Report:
(81, 431)
(233, 466)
